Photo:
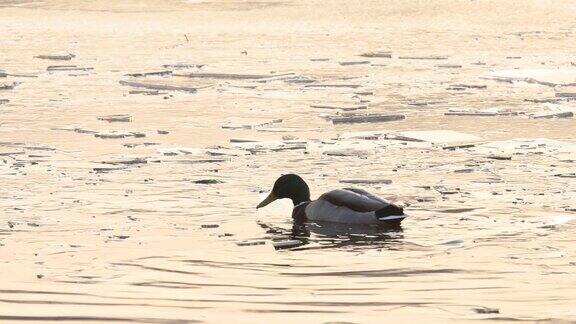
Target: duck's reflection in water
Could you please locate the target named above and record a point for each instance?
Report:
(327, 235)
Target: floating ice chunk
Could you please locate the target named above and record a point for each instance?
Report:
(345, 148)
(197, 161)
(453, 242)
(273, 146)
(552, 114)
(366, 181)
(53, 68)
(248, 123)
(133, 145)
(296, 79)
(116, 118)
(378, 54)
(346, 152)
(558, 220)
(354, 63)
(549, 77)
(333, 85)
(499, 156)
(104, 168)
(118, 134)
(225, 152)
(490, 112)
(426, 57)
(566, 175)
(208, 181)
(243, 140)
(557, 107)
(179, 151)
(566, 92)
(286, 244)
(145, 92)
(250, 243)
(526, 146)
(6, 151)
(56, 57)
(443, 138)
(78, 130)
(367, 135)
(145, 74)
(365, 118)
(470, 86)
(566, 153)
(554, 111)
(180, 66)
(128, 161)
(444, 189)
(231, 76)
(349, 108)
(421, 103)
(486, 310)
(157, 86)
(449, 66)
(279, 129)
(8, 85)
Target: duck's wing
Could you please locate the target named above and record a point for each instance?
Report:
(368, 195)
(355, 199)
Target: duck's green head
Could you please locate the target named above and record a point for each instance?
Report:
(288, 186)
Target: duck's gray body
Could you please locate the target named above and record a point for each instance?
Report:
(352, 206)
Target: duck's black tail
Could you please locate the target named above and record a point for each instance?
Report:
(390, 214)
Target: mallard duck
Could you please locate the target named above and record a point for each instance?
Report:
(347, 205)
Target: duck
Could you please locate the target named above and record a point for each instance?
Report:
(346, 205)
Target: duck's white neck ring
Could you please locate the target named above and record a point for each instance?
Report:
(302, 203)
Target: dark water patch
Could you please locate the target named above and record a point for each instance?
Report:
(352, 245)
(326, 235)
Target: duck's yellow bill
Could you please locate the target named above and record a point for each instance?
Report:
(271, 197)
